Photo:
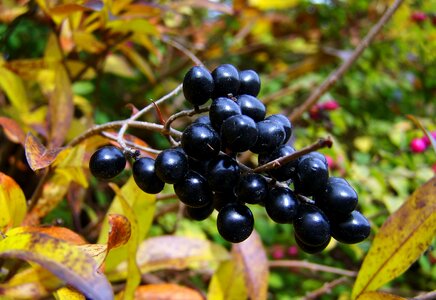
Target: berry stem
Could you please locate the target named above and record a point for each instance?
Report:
(182, 49)
(134, 117)
(183, 113)
(321, 143)
(326, 288)
(340, 71)
(310, 266)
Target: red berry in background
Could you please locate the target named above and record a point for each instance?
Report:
(417, 145)
(434, 168)
(433, 20)
(330, 105)
(277, 252)
(418, 16)
(426, 140)
(292, 251)
(315, 112)
(330, 162)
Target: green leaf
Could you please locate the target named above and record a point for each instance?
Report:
(400, 241)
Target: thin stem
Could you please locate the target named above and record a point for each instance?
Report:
(426, 296)
(321, 143)
(184, 113)
(339, 72)
(135, 116)
(326, 288)
(183, 49)
(131, 144)
(310, 266)
(39, 188)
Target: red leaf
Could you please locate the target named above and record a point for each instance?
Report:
(39, 157)
(13, 130)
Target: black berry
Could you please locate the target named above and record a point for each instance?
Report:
(250, 83)
(226, 81)
(352, 229)
(144, 174)
(311, 225)
(200, 141)
(171, 165)
(287, 126)
(107, 162)
(311, 249)
(239, 133)
(270, 135)
(337, 198)
(222, 199)
(284, 172)
(252, 107)
(204, 120)
(193, 190)
(200, 213)
(235, 222)
(252, 188)
(281, 205)
(198, 85)
(222, 173)
(221, 109)
(311, 176)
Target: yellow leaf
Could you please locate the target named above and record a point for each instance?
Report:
(379, 296)
(88, 42)
(52, 52)
(13, 86)
(71, 164)
(273, 4)
(173, 252)
(118, 65)
(62, 259)
(66, 293)
(363, 143)
(12, 203)
(400, 241)
(256, 274)
(134, 278)
(138, 61)
(227, 283)
(141, 26)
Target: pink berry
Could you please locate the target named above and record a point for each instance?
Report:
(434, 168)
(418, 16)
(426, 140)
(277, 252)
(330, 105)
(293, 251)
(330, 161)
(417, 145)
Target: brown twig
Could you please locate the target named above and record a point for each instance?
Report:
(131, 144)
(339, 72)
(184, 113)
(183, 49)
(321, 143)
(426, 296)
(326, 288)
(311, 266)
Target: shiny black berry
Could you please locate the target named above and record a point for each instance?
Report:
(337, 198)
(200, 141)
(198, 85)
(107, 162)
(171, 165)
(311, 176)
(235, 222)
(144, 174)
(252, 188)
(203, 119)
(200, 213)
(270, 136)
(352, 229)
(284, 121)
(252, 107)
(284, 172)
(239, 133)
(281, 205)
(222, 173)
(226, 81)
(221, 199)
(221, 109)
(311, 225)
(250, 83)
(311, 249)
(193, 190)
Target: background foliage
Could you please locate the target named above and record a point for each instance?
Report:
(68, 65)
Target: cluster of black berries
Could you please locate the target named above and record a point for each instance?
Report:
(206, 174)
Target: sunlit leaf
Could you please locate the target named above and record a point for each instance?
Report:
(12, 203)
(66, 293)
(251, 256)
(134, 278)
(228, 282)
(66, 262)
(379, 296)
(400, 241)
(141, 26)
(118, 65)
(37, 155)
(166, 291)
(139, 62)
(88, 42)
(175, 253)
(13, 130)
(13, 86)
(71, 164)
(61, 233)
(273, 4)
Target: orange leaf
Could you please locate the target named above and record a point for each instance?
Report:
(12, 203)
(13, 130)
(166, 291)
(61, 233)
(400, 241)
(119, 231)
(251, 255)
(38, 157)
